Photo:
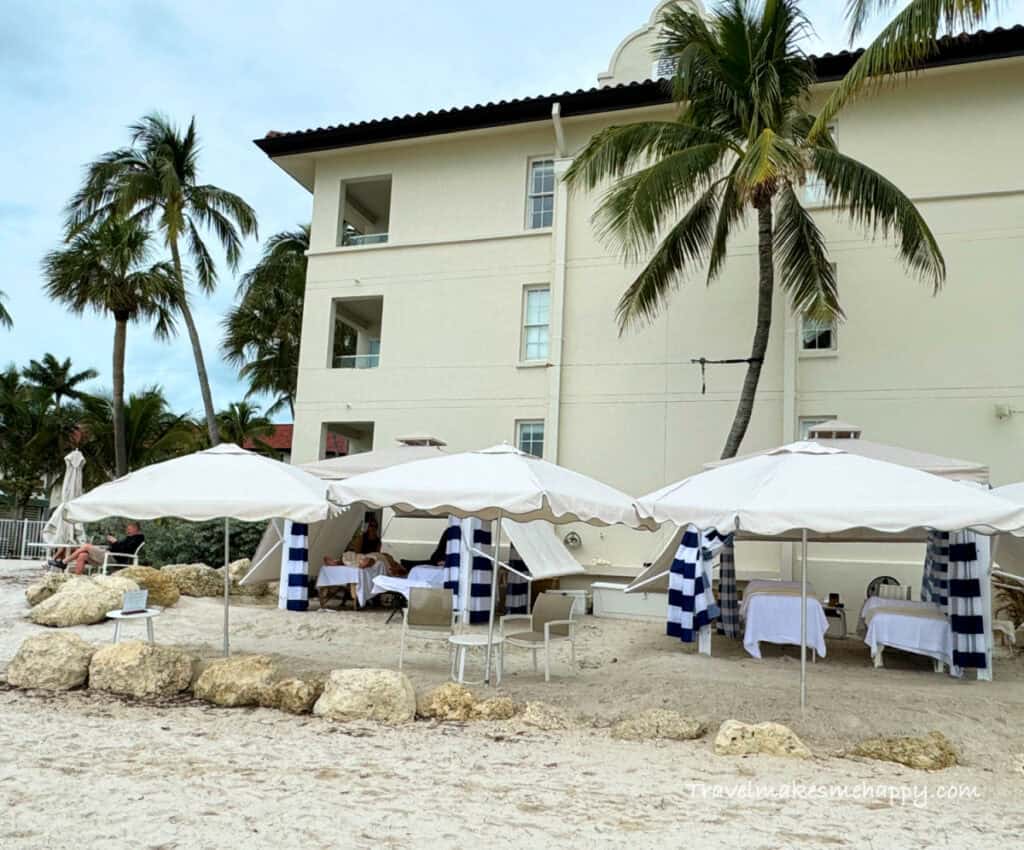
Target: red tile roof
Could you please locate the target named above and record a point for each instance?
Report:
(281, 440)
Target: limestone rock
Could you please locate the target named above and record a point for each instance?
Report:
(55, 661)
(773, 739)
(449, 701)
(495, 708)
(196, 579)
(382, 695)
(163, 591)
(143, 670)
(296, 696)
(44, 588)
(933, 751)
(658, 724)
(82, 601)
(545, 716)
(234, 681)
(238, 569)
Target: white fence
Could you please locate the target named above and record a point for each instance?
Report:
(17, 537)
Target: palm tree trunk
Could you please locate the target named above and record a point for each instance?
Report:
(120, 435)
(765, 292)
(197, 351)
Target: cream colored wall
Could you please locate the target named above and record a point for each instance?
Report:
(633, 59)
(911, 368)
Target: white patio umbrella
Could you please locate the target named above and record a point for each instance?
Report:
(58, 529)
(223, 482)
(807, 487)
(1010, 549)
(492, 484)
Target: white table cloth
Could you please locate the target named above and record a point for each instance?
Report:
(361, 577)
(919, 635)
(418, 577)
(775, 618)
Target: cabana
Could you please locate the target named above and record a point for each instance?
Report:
(805, 491)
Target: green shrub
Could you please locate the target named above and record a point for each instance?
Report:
(175, 541)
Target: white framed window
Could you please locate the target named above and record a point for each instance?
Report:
(663, 68)
(540, 194)
(808, 422)
(530, 436)
(536, 323)
(818, 335)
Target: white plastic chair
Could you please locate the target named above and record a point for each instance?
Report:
(121, 559)
(551, 622)
(428, 616)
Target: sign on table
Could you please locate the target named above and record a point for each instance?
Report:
(134, 601)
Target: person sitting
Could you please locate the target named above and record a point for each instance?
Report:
(436, 559)
(87, 553)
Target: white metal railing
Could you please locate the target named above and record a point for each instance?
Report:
(357, 361)
(363, 239)
(17, 537)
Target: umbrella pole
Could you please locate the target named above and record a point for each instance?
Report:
(803, 619)
(494, 589)
(227, 583)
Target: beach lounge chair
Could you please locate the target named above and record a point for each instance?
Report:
(550, 622)
(428, 616)
(120, 560)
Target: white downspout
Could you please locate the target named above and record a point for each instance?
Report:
(789, 417)
(558, 275)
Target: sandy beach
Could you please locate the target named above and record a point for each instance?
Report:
(83, 769)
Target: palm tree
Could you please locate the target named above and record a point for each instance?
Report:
(5, 317)
(57, 380)
(104, 268)
(156, 180)
(242, 422)
(907, 40)
(738, 142)
(154, 433)
(262, 332)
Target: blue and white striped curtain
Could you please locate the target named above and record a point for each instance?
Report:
(691, 602)
(966, 574)
(293, 594)
(935, 580)
(461, 537)
(517, 591)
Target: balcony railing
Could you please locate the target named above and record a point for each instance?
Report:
(353, 239)
(357, 361)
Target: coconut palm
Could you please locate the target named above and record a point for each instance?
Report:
(242, 422)
(156, 181)
(5, 316)
(907, 40)
(153, 433)
(105, 268)
(738, 142)
(57, 380)
(262, 332)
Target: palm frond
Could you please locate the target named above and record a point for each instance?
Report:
(730, 213)
(806, 273)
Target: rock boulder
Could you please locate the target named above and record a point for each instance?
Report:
(196, 579)
(933, 751)
(82, 601)
(142, 670)
(234, 681)
(456, 702)
(382, 695)
(43, 589)
(658, 724)
(54, 661)
(544, 716)
(295, 696)
(163, 591)
(744, 739)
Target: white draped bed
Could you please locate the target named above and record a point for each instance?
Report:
(921, 628)
(771, 610)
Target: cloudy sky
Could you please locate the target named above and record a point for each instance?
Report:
(73, 74)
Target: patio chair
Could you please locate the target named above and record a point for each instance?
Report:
(428, 616)
(878, 582)
(550, 622)
(120, 560)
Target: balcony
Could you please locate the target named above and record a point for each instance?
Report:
(357, 361)
(356, 332)
(364, 215)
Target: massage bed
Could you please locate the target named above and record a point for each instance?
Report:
(347, 575)
(771, 611)
(422, 576)
(921, 628)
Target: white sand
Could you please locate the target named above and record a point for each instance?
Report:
(84, 770)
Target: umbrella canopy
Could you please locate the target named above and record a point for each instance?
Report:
(59, 529)
(489, 484)
(1010, 549)
(222, 482)
(821, 489)
(340, 468)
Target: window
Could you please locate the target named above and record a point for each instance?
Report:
(817, 334)
(530, 437)
(357, 333)
(536, 321)
(663, 68)
(365, 214)
(540, 194)
(808, 422)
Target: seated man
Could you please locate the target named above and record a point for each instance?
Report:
(89, 554)
(436, 559)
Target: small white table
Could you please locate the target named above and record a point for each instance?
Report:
(119, 616)
(463, 643)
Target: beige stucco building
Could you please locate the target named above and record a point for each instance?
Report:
(457, 288)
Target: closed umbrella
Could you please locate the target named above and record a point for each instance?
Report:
(491, 484)
(806, 487)
(58, 529)
(223, 482)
